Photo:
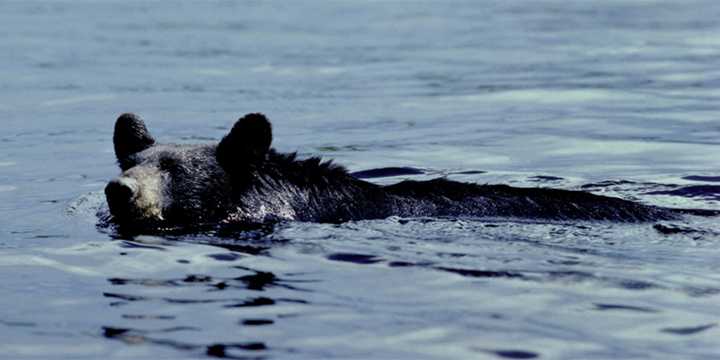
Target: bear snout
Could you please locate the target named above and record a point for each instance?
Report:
(120, 194)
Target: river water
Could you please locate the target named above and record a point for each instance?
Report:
(616, 97)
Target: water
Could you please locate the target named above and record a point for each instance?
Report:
(619, 98)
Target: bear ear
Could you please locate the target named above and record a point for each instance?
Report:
(247, 143)
(130, 137)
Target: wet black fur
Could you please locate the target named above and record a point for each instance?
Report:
(243, 181)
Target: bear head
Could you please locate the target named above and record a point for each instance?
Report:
(169, 185)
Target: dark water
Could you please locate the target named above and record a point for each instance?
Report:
(615, 97)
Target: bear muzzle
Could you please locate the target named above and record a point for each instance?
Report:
(120, 194)
(129, 202)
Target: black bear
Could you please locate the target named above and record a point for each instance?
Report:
(243, 181)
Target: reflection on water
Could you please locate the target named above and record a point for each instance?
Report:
(619, 98)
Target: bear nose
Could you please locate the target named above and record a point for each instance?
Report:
(119, 194)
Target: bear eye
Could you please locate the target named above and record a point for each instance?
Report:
(127, 162)
(168, 163)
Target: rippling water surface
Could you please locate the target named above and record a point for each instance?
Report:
(615, 97)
